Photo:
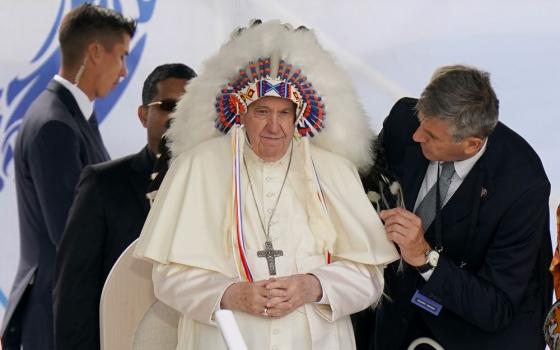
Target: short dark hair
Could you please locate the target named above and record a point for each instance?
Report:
(464, 97)
(165, 71)
(89, 22)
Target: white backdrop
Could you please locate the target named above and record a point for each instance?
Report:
(390, 49)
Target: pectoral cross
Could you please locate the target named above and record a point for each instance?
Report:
(270, 254)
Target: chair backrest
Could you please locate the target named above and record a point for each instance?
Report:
(130, 315)
(158, 329)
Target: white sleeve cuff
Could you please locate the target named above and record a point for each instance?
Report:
(426, 275)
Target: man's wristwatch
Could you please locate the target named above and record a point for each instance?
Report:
(432, 257)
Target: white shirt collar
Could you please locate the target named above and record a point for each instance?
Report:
(463, 167)
(85, 105)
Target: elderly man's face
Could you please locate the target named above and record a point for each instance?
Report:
(270, 126)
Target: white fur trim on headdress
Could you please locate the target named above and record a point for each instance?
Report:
(346, 131)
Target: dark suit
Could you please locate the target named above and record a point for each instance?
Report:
(54, 143)
(107, 215)
(497, 222)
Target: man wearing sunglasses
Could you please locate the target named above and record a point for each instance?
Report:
(107, 215)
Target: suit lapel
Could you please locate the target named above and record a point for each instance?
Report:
(477, 186)
(97, 153)
(68, 100)
(142, 165)
(461, 203)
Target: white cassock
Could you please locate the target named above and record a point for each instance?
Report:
(188, 237)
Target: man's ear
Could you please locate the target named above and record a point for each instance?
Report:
(94, 51)
(143, 115)
(472, 144)
(243, 118)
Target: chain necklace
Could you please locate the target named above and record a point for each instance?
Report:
(269, 253)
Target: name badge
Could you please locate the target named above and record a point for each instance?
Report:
(426, 303)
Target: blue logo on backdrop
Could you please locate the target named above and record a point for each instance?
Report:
(20, 92)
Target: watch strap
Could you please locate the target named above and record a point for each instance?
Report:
(424, 268)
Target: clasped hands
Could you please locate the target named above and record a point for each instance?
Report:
(275, 297)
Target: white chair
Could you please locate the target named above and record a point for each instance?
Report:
(425, 341)
(131, 318)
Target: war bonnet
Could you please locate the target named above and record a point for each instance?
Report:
(273, 59)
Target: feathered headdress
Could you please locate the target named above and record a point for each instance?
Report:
(273, 59)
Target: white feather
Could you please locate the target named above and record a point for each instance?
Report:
(346, 131)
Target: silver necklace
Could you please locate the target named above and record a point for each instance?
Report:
(268, 252)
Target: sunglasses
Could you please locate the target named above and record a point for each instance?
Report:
(166, 105)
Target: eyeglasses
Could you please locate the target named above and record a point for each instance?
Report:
(166, 105)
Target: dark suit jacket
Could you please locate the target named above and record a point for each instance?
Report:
(107, 215)
(54, 143)
(498, 224)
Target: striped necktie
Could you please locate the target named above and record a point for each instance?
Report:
(427, 208)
